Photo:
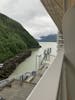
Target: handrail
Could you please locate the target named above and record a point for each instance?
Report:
(47, 87)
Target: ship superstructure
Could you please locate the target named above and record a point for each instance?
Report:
(58, 82)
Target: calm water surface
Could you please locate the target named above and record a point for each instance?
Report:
(30, 63)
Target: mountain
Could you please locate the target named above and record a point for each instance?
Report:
(14, 39)
(49, 38)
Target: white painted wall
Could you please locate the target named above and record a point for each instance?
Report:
(69, 34)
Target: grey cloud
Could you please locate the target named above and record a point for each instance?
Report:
(31, 14)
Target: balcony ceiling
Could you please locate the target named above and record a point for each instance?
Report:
(56, 9)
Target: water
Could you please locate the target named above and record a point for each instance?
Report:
(30, 63)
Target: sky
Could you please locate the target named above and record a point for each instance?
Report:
(31, 14)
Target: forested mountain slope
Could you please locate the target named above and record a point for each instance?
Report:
(13, 38)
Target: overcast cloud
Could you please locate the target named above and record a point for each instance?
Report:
(31, 14)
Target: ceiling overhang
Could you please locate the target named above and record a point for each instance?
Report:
(56, 9)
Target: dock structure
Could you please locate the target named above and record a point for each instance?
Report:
(20, 87)
(42, 59)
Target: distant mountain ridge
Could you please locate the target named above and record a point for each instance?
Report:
(49, 38)
(14, 38)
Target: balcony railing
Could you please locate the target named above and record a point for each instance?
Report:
(47, 87)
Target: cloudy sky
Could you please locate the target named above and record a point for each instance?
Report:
(31, 14)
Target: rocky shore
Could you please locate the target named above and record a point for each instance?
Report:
(10, 65)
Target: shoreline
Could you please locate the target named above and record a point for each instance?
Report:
(10, 65)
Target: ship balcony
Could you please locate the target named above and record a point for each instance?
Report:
(48, 86)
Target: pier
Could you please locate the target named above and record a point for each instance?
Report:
(20, 87)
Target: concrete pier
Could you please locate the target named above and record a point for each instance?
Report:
(20, 89)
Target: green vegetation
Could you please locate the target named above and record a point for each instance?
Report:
(13, 38)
